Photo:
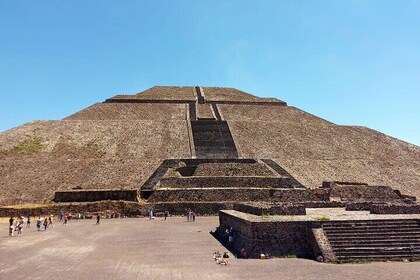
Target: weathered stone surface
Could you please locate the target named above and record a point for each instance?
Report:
(95, 195)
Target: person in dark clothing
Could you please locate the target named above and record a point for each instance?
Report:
(45, 223)
(11, 220)
(98, 219)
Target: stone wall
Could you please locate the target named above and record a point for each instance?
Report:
(395, 209)
(269, 195)
(274, 238)
(95, 195)
(181, 208)
(384, 208)
(270, 209)
(348, 191)
(225, 182)
(123, 207)
(126, 208)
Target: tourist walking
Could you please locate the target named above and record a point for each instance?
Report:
(65, 220)
(98, 219)
(20, 227)
(11, 220)
(166, 214)
(45, 223)
(150, 214)
(28, 222)
(50, 220)
(38, 224)
(11, 230)
(61, 216)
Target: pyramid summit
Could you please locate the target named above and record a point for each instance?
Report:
(190, 144)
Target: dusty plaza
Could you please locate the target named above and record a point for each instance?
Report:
(138, 248)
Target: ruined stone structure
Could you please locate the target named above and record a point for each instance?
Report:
(208, 148)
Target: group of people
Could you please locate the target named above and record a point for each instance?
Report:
(46, 222)
(20, 221)
(190, 215)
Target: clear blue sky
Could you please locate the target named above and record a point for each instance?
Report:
(351, 62)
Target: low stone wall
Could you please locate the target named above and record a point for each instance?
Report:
(123, 207)
(181, 208)
(233, 169)
(274, 238)
(385, 208)
(95, 195)
(129, 209)
(395, 209)
(231, 194)
(358, 206)
(226, 182)
(353, 192)
(270, 209)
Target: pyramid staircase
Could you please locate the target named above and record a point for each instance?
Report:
(374, 239)
(212, 139)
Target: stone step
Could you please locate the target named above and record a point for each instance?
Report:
(372, 235)
(212, 139)
(349, 225)
(213, 142)
(345, 242)
(371, 222)
(378, 257)
(377, 251)
(373, 228)
(386, 242)
(373, 245)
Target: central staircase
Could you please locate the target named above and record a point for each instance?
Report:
(212, 139)
(374, 239)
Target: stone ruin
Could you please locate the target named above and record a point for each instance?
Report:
(213, 149)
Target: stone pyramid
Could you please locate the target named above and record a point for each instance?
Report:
(193, 138)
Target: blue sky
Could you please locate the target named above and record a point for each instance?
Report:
(351, 62)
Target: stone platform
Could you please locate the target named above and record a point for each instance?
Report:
(307, 235)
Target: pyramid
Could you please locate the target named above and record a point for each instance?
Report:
(167, 141)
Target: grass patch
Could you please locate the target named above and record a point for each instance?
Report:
(29, 146)
(322, 218)
(232, 170)
(29, 205)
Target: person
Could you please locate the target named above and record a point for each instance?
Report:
(20, 227)
(45, 223)
(166, 214)
(38, 224)
(28, 222)
(193, 216)
(50, 219)
(244, 253)
(11, 220)
(61, 216)
(98, 218)
(65, 220)
(189, 215)
(150, 214)
(230, 232)
(11, 230)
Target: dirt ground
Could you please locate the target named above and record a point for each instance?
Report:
(157, 249)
